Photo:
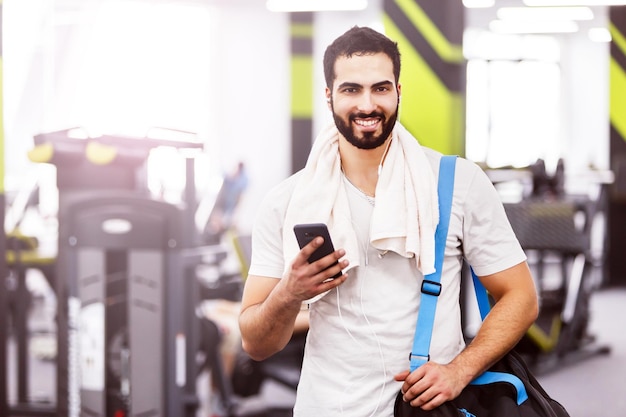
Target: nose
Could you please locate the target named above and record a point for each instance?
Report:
(366, 103)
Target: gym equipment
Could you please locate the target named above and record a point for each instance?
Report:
(129, 285)
(127, 333)
(22, 254)
(548, 231)
(555, 229)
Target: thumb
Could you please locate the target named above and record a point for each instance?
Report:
(402, 375)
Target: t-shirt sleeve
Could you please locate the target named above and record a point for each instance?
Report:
(267, 236)
(489, 242)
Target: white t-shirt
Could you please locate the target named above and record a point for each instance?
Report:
(361, 333)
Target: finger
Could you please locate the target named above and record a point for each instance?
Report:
(402, 375)
(307, 250)
(428, 403)
(334, 270)
(416, 375)
(329, 284)
(329, 266)
(414, 386)
(325, 261)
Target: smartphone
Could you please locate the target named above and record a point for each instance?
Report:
(305, 233)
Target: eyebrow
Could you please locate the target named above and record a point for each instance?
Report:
(356, 85)
(382, 84)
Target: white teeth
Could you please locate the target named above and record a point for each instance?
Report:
(366, 122)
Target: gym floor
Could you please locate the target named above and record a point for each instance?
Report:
(595, 386)
(589, 387)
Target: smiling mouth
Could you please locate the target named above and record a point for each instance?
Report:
(366, 122)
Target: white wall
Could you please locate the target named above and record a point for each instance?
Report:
(585, 82)
(251, 97)
(583, 128)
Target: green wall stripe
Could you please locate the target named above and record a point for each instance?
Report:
(618, 38)
(429, 110)
(618, 45)
(616, 207)
(617, 65)
(301, 38)
(447, 51)
(617, 107)
(301, 81)
(301, 31)
(416, 40)
(447, 16)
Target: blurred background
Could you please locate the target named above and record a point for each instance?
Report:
(139, 137)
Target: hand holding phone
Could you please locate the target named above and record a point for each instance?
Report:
(305, 233)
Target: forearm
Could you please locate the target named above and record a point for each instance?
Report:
(503, 327)
(270, 305)
(266, 327)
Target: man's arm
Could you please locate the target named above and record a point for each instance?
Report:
(267, 317)
(515, 310)
(270, 305)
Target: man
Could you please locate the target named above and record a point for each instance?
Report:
(375, 187)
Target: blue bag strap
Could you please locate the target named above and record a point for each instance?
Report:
(481, 295)
(431, 285)
(489, 377)
(431, 288)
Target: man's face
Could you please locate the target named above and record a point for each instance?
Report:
(364, 99)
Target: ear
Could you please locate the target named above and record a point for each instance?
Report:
(328, 97)
(399, 88)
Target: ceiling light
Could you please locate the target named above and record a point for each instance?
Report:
(314, 5)
(478, 4)
(599, 35)
(575, 2)
(545, 13)
(510, 27)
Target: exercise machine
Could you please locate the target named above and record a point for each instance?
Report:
(556, 236)
(127, 332)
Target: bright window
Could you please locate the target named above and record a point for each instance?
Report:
(513, 93)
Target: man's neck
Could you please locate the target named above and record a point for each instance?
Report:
(362, 166)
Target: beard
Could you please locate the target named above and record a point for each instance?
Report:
(369, 140)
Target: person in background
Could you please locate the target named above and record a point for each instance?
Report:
(375, 187)
(222, 215)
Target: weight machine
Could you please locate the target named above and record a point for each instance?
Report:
(555, 229)
(127, 330)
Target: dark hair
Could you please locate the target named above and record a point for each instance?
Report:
(360, 41)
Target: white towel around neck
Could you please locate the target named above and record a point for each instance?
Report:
(406, 212)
